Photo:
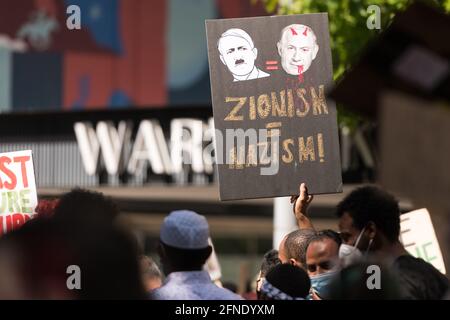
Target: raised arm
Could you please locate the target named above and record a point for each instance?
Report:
(301, 204)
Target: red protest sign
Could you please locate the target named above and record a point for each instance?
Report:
(18, 194)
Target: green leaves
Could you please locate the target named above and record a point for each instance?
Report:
(348, 31)
(347, 19)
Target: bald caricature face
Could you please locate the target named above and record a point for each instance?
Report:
(297, 48)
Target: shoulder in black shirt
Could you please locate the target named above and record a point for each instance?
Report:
(418, 279)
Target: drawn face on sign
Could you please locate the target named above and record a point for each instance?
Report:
(297, 48)
(238, 53)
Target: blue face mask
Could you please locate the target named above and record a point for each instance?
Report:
(320, 283)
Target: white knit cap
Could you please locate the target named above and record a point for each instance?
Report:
(185, 229)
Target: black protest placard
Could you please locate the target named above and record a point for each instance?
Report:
(274, 125)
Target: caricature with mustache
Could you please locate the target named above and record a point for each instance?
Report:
(238, 53)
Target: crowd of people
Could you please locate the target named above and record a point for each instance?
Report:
(81, 229)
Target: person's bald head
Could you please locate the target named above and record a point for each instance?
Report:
(294, 246)
(282, 255)
(297, 48)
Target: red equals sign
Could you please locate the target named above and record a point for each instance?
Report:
(271, 65)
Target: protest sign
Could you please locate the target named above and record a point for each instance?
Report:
(418, 236)
(18, 195)
(274, 126)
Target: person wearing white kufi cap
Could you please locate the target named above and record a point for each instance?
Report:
(184, 249)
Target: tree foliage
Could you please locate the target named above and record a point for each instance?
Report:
(347, 20)
(348, 24)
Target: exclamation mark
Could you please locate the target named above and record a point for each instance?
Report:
(320, 145)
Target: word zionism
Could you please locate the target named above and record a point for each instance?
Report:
(276, 107)
(281, 104)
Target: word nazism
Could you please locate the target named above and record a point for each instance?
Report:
(278, 107)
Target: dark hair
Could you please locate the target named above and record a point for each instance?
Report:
(109, 264)
(85, 206)
(270, 260)
(106, 256)
(327, 234)
(186, 259)
(290, 279)
(41, 256)
(296, 244)
(371, 204)
(46, 207)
